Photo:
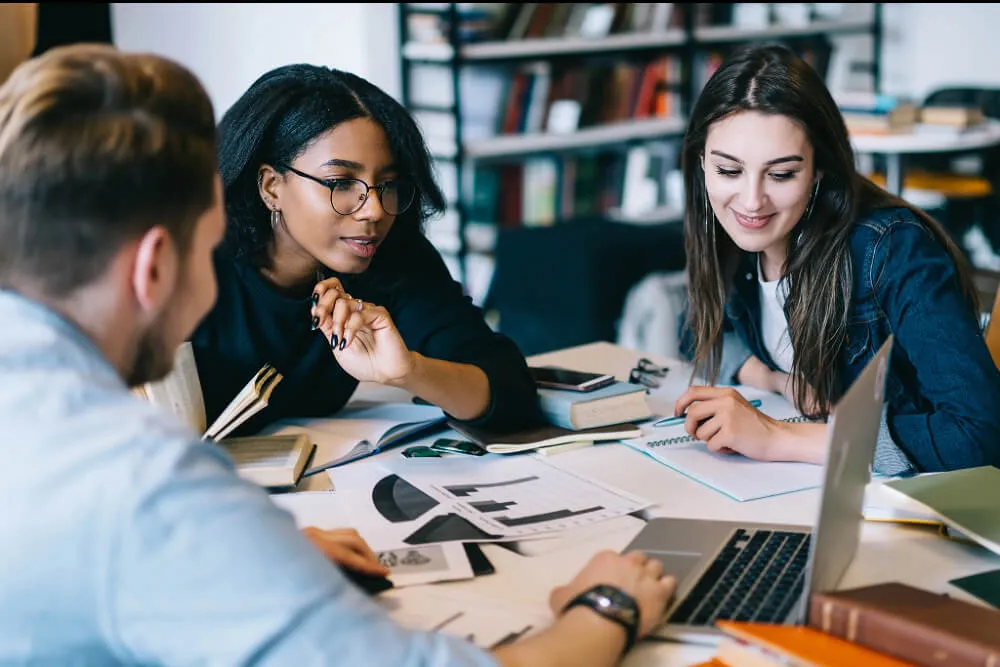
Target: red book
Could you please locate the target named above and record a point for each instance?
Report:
(912, 624)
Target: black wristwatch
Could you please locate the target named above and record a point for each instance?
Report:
(613, 604)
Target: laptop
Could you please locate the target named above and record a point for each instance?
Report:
(765, 572)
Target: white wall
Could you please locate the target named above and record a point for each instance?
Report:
(934, 44)
(229, 45)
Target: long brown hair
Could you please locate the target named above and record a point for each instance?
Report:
(771, 79)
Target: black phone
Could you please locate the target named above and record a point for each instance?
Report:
(564, 378)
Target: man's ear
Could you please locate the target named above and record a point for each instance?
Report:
(155, 271)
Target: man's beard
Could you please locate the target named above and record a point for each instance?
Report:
(154, 359)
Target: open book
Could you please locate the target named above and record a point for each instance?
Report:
(258, 458)
(180, 392)
(362, 430)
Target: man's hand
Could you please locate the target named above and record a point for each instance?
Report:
(635, 573)
(346, 547)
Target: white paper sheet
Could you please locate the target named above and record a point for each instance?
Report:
(409, 566)
(486, 624)
(403, 502)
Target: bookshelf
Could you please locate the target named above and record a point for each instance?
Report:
(537, 114)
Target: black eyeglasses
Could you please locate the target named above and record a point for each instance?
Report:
(348, 195)
(647, 373)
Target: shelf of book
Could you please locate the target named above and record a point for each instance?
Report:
(639, 69)
(590, 137)
(545, 47)
(720, 34)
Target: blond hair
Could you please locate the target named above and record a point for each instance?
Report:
(96, 147)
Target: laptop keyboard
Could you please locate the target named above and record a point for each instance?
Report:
(758, 576)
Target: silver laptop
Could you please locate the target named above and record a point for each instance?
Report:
(765, 572)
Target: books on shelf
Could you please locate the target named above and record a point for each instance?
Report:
(616, 403)
(910, 624)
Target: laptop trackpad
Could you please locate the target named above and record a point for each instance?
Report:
(676, 563)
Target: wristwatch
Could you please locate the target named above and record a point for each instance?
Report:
(613, 604)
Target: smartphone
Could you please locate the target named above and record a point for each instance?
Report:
(564, 378)
(453, 446)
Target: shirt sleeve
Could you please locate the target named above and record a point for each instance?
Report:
(941, 337)
(209, 571)
(437, 319)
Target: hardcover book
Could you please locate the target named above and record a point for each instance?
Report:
(911, 624)
(617, 403)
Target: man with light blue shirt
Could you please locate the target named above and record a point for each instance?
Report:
(126, 539)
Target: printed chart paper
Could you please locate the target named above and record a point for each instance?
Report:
(482, 499)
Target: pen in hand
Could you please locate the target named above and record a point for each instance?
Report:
(673, 421)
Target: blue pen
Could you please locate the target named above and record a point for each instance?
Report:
(673, 421)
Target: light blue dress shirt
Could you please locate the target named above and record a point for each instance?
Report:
(125, 539)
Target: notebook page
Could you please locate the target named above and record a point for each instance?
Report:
(734, 475)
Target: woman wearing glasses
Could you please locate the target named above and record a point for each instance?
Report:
(325, 272)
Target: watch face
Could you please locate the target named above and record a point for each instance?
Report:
(612, 599)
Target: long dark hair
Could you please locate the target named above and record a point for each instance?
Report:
(275, 120)
(772, 79)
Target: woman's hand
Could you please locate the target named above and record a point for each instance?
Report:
(346, 547)
(362, 336)
(725, 421)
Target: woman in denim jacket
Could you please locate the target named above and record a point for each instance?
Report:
(798, 270)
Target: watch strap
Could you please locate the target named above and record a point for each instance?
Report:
(613, 604)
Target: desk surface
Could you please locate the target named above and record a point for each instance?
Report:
(522, 581)
(988, 134)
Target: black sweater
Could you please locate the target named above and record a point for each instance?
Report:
(253, 324)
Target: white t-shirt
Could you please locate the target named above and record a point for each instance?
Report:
(773, 323)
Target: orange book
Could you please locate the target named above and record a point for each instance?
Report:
(759, 644)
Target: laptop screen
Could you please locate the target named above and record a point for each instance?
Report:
(851, 435)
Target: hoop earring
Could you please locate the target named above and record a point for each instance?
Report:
(275, 218)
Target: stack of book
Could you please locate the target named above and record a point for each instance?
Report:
(882, 625)
(870, 113)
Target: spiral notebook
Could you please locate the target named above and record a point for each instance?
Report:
(734, 475)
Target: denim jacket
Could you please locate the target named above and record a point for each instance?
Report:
(942, 408)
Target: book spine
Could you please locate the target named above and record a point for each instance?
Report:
(556, 412)
(896, 636)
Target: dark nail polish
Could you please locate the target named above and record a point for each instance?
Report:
(315, 322)
(343, 344)
(315, 298)
(334, 341)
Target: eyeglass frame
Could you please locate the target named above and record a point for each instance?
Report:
(647, 373)
(379, 189)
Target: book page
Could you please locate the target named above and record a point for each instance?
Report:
(337, 435)
(180, 391)
(253, 398)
